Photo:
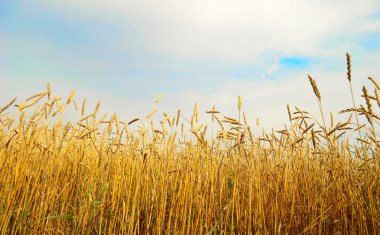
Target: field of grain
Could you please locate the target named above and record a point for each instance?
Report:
(102, 175)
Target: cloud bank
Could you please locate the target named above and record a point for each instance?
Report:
(128, 52)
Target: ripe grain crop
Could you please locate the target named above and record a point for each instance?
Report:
(106, 176)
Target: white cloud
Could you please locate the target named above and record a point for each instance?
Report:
(233, 30)
(237, 31)
(266, 99)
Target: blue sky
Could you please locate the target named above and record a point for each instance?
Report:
(126, 53)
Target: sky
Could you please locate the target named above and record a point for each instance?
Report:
(126, 53)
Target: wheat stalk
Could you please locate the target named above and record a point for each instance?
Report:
(315, 87)
(375, 83)
(71, 96)
(7, 106)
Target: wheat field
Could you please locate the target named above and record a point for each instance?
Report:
(102, 175)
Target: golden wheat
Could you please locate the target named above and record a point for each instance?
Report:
(103, 176)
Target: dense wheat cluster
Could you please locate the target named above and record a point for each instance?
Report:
(100, 175)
